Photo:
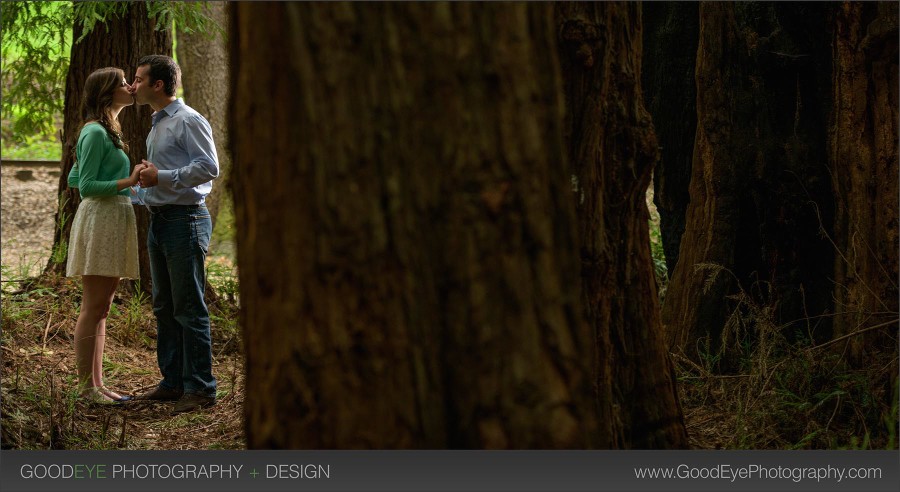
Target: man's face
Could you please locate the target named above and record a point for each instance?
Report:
(142, 89)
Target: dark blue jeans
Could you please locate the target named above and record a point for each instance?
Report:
(177, 242)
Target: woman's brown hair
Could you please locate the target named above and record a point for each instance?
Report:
(96, 103)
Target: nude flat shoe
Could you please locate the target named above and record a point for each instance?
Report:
(121, 399)
(94, 396)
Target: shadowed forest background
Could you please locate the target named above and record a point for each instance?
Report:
(489, 225)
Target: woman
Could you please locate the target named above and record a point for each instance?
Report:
(103, 242)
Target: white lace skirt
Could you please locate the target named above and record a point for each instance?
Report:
(104, 239)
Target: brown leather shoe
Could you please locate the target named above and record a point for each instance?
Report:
(161, 394)
(193, 401)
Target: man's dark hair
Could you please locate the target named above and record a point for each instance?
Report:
(163, 68)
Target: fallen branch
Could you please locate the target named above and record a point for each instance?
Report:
(849, 335)
(46, 329)
(122, 433)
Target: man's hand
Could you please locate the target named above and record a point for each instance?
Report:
(149, 175)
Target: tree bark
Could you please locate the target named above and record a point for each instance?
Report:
(670, 52)
(612, 150)
(863, 143)
(752, 257)
(204, 73)
(406, 250)
(118, 42)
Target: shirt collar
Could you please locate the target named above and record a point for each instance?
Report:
(169, 110)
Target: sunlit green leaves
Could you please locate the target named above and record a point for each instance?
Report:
(89, 14)
(36, 41)
(189, 17)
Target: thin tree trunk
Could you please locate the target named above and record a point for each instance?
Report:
(204, 62)
(406, 254)
(118, 42)
(863, 157)
(612, 151)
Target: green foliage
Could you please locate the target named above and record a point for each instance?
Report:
(14, 310)
(60, 252)
(61, 249)
(36, 41)
(41, 148)
(88, 14)
(221, 275)
(658, 256)
(22, 270)
(188, 16)
(132, 318)
(222, 241)
(221, 272)
(657, 253)
(135, 316)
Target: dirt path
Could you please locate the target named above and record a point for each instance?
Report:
(27, 210)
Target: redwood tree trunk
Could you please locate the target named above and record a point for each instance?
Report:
(863, 156)
(204, 73)
(118, 42)
(752, 257)
(407, 267)
(612, 150)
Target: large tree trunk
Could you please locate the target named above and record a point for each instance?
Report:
(752, 256)
(612, 150)
(863, 156)
(407, 266)
(118, 42)
(670, 53)
(204, 62)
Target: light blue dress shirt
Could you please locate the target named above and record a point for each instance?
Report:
(180, 145)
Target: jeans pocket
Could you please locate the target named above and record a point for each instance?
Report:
(201, 230)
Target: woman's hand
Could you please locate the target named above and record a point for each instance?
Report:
(132, 180)
(136, 174)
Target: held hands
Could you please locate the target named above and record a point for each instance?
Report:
(149, 174)
(135, 174)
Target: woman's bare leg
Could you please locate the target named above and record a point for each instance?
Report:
(95, 302)
(101, 343)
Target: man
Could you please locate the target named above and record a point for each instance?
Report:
(181, 163)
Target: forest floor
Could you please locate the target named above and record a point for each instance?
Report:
(39, 404)
(789, 397)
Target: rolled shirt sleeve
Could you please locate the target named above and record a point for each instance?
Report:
(203, 165)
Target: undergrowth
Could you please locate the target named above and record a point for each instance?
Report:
(786, 393)
(41, 408)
